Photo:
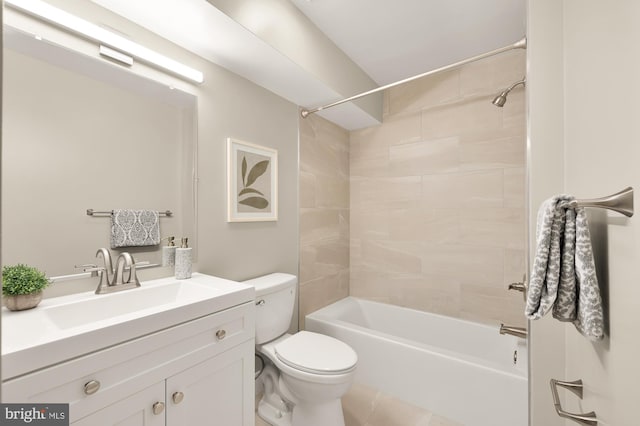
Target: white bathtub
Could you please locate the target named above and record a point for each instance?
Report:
(458, 369)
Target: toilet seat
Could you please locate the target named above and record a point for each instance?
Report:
(316, 353)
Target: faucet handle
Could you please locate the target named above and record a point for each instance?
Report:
(133, 278)
(90, 267)
(85, 266)
(126, 261)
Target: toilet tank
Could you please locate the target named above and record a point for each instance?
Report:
(275, 299)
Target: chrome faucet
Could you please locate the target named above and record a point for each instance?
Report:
(105, 273)
(110, 280)
(125, 260)
(514, 331)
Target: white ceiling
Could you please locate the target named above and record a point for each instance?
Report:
(389, 39)
(394, 39)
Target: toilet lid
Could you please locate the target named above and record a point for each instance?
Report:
(316, 353)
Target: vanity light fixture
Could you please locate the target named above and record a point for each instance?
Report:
(86, 29)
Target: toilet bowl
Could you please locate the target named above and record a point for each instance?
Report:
(306, 373)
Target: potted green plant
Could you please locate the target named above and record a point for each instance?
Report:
(22, 286)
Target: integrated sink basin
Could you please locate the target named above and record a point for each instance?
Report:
(63, 327)
(128, 302)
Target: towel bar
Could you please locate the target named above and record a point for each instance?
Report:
(91, 212)
(586, 419)
(621, 202)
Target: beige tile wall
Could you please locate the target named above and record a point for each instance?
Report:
(324, 214)
(437, 197)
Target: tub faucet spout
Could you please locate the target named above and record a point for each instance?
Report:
(513, 331)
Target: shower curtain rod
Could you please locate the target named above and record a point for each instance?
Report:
(520, 44)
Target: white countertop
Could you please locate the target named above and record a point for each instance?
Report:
(66, 327)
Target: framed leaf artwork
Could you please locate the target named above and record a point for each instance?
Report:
(252, 182)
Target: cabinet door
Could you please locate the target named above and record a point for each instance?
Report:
(218, 391)
(135, 410)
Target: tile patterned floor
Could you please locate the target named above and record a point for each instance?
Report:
(365, 406)
(260, 422)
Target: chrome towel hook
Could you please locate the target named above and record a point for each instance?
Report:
(621, 202)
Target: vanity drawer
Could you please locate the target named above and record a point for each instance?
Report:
(98, 379)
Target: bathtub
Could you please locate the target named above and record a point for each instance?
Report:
(459, 369)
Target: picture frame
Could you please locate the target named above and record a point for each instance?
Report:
(252, 182)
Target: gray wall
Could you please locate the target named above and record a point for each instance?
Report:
(583, 109)
(545, 174)
(229, 106)
(602, 154)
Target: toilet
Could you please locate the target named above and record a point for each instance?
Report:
(305, 373)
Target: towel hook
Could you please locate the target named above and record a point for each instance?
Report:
(621, 202)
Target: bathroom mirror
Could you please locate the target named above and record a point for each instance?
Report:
(82, 133)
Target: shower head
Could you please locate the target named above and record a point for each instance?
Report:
(501, 99)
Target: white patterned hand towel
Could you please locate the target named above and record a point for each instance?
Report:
(134, 228)
(564, 275)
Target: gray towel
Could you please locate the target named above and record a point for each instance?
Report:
(564, 275)
(135, 228)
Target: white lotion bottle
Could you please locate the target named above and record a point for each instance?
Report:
(183, 260)
(169, 253)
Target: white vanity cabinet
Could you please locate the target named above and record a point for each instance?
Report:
(213, 392)
(197, 373)
(134, 410)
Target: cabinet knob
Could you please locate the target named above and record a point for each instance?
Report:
(177, 397)
(91, 387)
(158, 407)
(220, 334)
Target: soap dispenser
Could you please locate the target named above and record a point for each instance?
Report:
(169, 253)
(183, 260)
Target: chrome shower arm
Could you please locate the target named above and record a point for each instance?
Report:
(523, 82)
(501, 99)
